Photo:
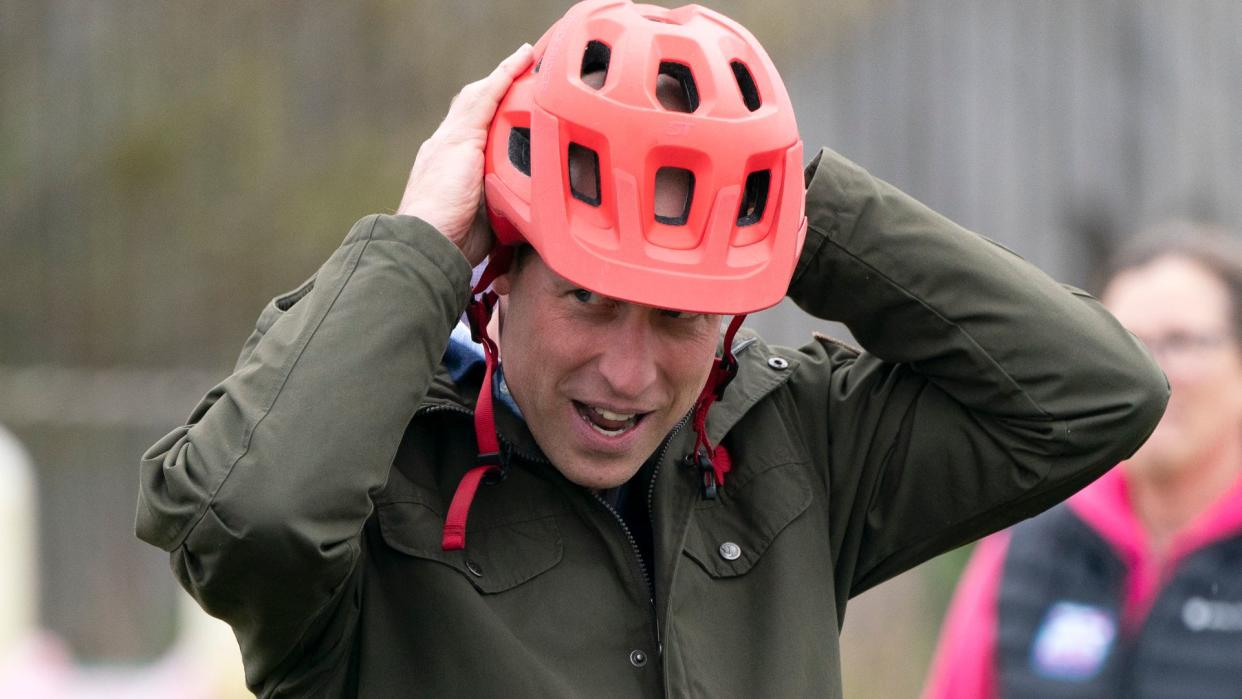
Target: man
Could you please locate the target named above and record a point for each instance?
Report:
(609, 519)
(1133, 587)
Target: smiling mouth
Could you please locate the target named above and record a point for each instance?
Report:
(606, 422)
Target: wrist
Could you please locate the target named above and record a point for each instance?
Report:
(434, 219)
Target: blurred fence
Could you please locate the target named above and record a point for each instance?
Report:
(166, 168)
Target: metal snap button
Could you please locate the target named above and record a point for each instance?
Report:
(730, 551)
(778, 363)
(638, 658)
(474, 568)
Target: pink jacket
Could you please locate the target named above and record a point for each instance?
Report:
(963, 667)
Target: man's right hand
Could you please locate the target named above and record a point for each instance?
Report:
(445, 187)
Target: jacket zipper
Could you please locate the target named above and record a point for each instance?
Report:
(444, 407)
(642, 571)
(655, 471)
(638, 556)
(629, 535)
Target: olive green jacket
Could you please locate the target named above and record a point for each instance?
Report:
(303, 503)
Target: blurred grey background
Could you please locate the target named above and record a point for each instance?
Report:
(167, 167)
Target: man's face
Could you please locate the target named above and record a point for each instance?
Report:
(1182, 312)
(599, 381)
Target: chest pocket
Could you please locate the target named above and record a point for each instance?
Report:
(506, 545)
(729, 535)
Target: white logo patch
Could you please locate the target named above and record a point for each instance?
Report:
(1073, 641)
(1209, 615)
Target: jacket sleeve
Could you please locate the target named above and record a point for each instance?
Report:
(261, 497)
(986, 393)
(965, 660)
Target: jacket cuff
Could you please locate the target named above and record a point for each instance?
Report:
(833, 184)
(438, 250)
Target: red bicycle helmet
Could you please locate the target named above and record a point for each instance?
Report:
(732, 143)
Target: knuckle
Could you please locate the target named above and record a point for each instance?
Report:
(470, 91)
(458, 134)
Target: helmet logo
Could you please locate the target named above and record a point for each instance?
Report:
(678, 128)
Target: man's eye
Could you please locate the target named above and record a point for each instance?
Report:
(585, 296)
(680, 315)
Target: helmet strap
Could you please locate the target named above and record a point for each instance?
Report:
(713, 462)
(479, 313)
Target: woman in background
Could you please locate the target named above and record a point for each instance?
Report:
(1132, 588)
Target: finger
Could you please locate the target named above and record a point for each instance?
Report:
(483, 95)
(475, 105)
(515, 63)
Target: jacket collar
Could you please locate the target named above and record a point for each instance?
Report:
(760, 370)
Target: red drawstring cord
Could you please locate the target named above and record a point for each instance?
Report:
(714, 462)
(479, 313)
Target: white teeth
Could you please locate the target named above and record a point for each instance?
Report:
(610, 433)
(609, 415)
(590, 413)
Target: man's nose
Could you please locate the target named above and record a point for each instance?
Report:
(628, 359)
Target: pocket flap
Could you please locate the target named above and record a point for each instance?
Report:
(497, 557)
(728, 536)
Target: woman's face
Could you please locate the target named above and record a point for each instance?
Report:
(1182, 312)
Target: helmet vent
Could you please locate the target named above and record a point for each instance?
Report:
(675, 88)
(584, 174)
(595, 60)
(674, 190)
(746, 83)
(519, 149)
(754, 197)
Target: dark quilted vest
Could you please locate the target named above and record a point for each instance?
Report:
(1059, 631)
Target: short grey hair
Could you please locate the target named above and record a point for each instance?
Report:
(1210, 245)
